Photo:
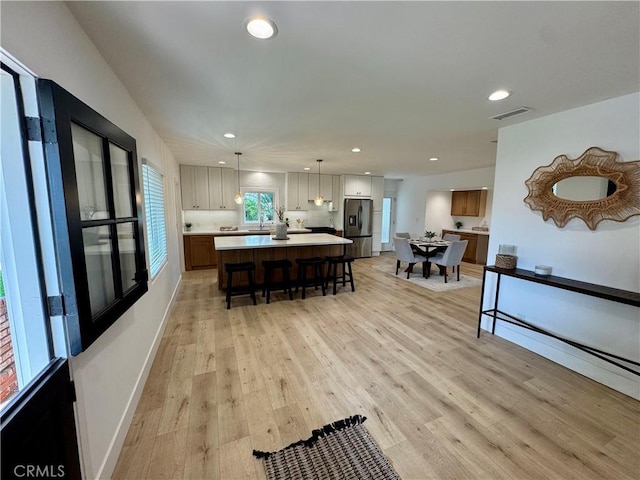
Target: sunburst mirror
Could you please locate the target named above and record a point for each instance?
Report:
(593, 187)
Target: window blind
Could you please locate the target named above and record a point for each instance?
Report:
(155, 220)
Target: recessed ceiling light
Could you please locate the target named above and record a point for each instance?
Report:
(485, 188)
(499, 95)
(229, 135)
(356, 150)
(453, 189)
(307, 168)
(367, 173)
(433, 159)
(222, 162)
(262, 28)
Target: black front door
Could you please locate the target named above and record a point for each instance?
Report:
(38, 428)
(37, 425)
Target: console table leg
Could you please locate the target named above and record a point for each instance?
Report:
(484, 277)
(495, 305)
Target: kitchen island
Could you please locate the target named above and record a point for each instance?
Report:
(199, 248)
(256, 248)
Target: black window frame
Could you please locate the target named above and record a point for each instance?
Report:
(60, 109)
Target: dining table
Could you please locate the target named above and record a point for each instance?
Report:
(428, 248)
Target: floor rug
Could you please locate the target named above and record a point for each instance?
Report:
(341, 450)
(434, 282)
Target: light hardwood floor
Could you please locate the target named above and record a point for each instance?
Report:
(440, 403)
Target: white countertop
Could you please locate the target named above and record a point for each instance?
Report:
(264, 231)
(466, 230)
(245, 242)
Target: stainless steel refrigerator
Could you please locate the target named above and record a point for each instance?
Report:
(358, 220)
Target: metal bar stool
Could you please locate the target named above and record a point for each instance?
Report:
(315, 264)
(270, 266)
(332, 272)
(232, 268)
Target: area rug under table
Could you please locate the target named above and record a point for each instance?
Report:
(341, 450)
(435, 281)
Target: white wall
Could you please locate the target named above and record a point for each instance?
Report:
(109, 376)
(608, 256)
(415, 214)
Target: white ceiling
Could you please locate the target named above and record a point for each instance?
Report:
(404, 81)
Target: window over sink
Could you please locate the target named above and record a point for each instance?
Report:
(259, 205)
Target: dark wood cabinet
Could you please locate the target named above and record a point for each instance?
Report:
(470, 252)
(477, 246)
(468, 203)
(199, 252)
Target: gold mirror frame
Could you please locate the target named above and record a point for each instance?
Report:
(595, 162)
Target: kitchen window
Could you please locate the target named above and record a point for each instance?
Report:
(259, 206)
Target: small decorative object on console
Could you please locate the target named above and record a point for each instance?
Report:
(542, 270)
(506, 257)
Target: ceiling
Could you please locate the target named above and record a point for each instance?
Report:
(404, 81)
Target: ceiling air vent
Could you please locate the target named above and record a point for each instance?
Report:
(512, 113)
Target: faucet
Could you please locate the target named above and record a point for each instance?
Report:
(261, 221)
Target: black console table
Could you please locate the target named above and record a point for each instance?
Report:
(600, 291)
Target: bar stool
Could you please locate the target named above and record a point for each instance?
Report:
(270, 266)
(232, 268)
(315, 264)
(332, 272)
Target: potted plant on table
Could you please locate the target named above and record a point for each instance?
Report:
(458, 224)
(187, 226)
(429, 235)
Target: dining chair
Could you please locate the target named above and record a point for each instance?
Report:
(451, 237)
(407, 235)
(405, 254)
(451, 257)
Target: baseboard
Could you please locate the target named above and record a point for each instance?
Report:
(113, 452)
(583, 364)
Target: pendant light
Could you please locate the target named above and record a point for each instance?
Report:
(319, 200)
(238, 198)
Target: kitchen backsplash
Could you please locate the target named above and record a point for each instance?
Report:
(213, 219)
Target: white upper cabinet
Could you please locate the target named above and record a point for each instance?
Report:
(297, 191)
(326, 187)
(194, 184)
(222, 188)
(377, 192)
(357, 186)
(336, 198)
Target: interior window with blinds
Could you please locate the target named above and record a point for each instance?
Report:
(153, 182)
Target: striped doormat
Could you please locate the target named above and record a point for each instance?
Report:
(340, 450)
